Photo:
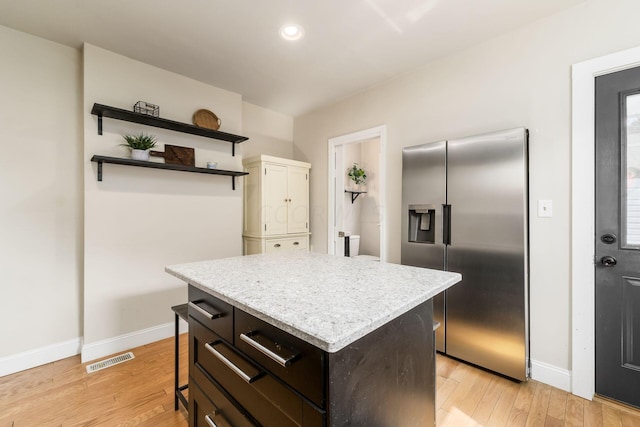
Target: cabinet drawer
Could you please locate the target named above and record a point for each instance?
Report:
(296, 362)
(262, 396)
(208, 406)
(212, 312)
(286, 244)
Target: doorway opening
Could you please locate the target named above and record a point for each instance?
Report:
(357, 211)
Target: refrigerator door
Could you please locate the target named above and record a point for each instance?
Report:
(487, 313)
(423, 194)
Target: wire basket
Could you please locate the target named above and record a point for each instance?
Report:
(143, 107)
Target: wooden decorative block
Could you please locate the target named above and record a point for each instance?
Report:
(176, 155)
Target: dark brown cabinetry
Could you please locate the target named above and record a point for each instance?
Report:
(246, 372)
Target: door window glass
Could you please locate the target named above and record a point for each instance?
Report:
(631, 160)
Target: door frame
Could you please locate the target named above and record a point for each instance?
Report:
(583, 213)
(379, 132)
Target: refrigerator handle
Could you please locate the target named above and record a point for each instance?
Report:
(446, 224)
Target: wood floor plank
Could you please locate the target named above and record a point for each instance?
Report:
(443, 392)
(477, 390)
(439, 381)
(522, 404)
(539, 406)
(517, 417)
(489, 400)
(575, 411)
(445, 365)
(592, 414)
(553, 422)
(557, 404)
(466, 377)
(454, 418)
(611, 416)
(525, 396)
(139, 392)
(629, 420)
(500, 415)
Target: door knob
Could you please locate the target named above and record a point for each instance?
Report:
(608, 261)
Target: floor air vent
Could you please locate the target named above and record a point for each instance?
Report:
(109, 362)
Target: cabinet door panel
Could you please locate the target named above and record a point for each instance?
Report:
(275, 199)
(298, 189)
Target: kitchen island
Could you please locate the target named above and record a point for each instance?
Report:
(306, 339)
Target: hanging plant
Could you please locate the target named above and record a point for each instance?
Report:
(357, 174)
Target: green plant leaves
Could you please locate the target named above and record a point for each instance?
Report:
(139, 142)
(357, 174)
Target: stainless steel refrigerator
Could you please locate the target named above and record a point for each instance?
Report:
(465, 209)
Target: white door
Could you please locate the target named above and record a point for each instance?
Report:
(276, 200)
(298, 199)
(338, 214)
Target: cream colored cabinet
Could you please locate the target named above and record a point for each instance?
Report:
(276, 205)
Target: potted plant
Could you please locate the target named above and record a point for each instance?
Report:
(139, 145)
(357, 175)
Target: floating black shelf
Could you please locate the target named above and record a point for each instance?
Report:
(154, 165)
(354, 194)
(130, 116)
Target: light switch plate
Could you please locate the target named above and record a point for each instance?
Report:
(545, 208)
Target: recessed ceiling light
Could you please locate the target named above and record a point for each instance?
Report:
(291, 32)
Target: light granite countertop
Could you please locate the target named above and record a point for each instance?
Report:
(328, 301)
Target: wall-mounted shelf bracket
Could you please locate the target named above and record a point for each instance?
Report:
(354, 194)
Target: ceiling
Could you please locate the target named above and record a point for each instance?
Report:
(349, 45)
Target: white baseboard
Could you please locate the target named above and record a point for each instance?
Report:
(39, 356)
(128, 341)
(51, 353)
(551, 375)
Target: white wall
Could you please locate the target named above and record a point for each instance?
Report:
(370, 202)
(519, 79)
(351, 211)
(139, 220)
(41, 193)
(269, 132)
(134, 222)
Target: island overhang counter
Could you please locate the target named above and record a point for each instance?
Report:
(311, 339)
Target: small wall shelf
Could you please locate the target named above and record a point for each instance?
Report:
(154, 165)
(354, 194)
(130, 116)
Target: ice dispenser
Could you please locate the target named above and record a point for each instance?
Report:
(422, 220)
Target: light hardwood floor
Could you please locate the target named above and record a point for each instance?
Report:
(467, 396)
(140, 393)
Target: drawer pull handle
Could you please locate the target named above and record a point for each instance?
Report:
(221, 357)
(215, 414)
(296, 243)
(277, 245)
(205, 312)
(252, 339)
(209, 420)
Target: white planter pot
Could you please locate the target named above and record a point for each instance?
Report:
(140, 155)
(357, 187)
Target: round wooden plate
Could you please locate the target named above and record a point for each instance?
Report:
(206, 119)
